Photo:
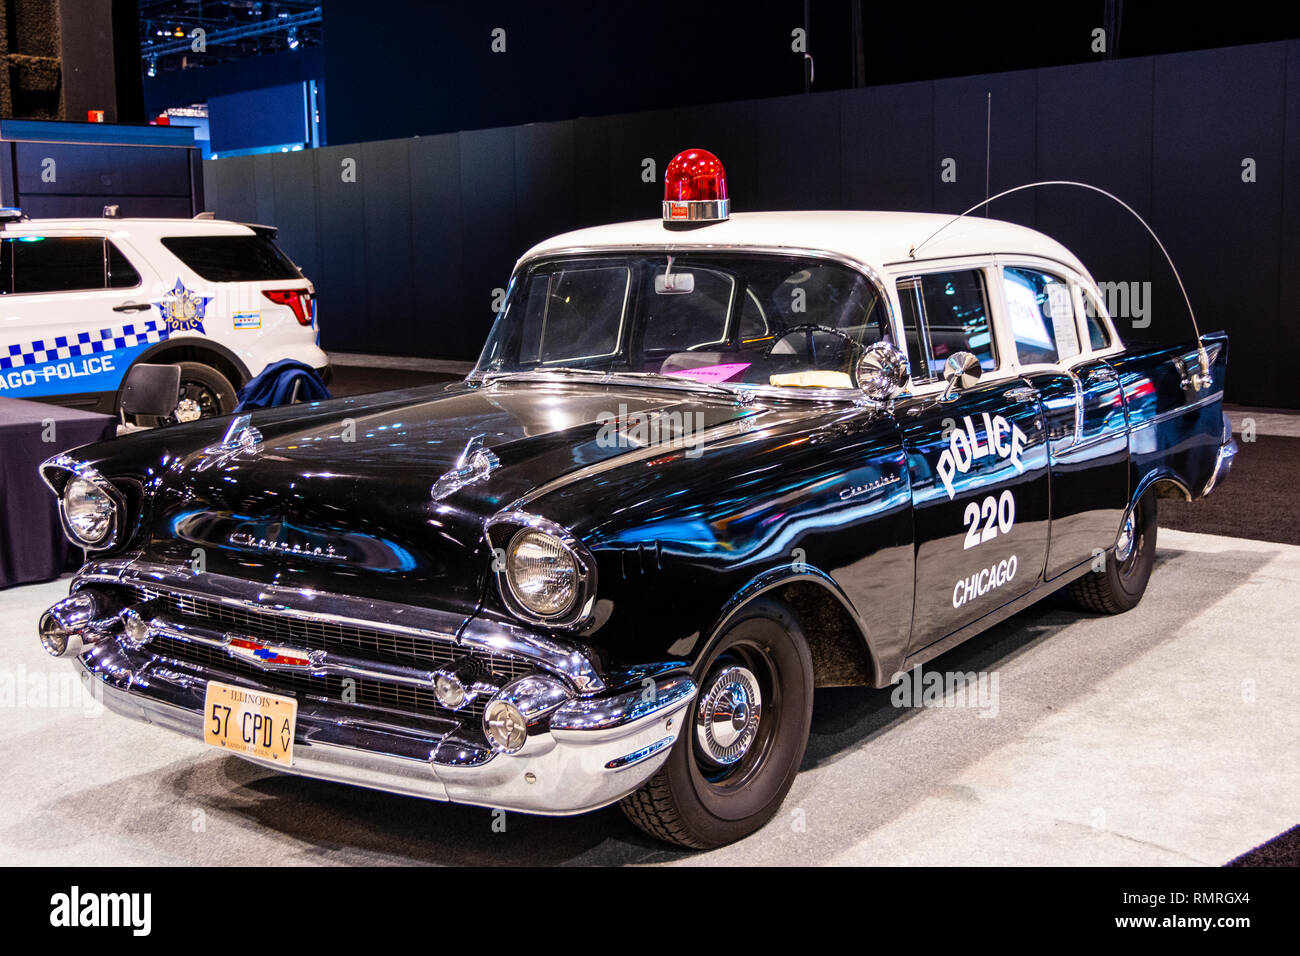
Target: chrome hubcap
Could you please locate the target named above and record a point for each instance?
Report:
(1124, 543)
(726, 720)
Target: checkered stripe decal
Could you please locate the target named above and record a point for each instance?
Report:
(83, 343)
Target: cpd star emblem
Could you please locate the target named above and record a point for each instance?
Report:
(183, 309)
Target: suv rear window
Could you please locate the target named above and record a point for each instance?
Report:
(232, 258)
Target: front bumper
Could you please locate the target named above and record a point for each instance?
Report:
(595, 747)
(560, 772)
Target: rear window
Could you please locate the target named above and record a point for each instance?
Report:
(253, 258)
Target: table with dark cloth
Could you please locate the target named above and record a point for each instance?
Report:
(32, 545)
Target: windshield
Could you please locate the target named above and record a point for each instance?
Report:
(732, 319)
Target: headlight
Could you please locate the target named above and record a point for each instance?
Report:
(542, 573)
(89, 511)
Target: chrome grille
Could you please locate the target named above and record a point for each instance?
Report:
(367, 692)
(315, 634)
(352, 640)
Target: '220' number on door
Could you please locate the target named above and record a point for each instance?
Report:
(989, 518)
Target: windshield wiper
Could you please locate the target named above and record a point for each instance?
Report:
(654, 378)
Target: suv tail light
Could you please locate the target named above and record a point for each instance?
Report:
(297, 299)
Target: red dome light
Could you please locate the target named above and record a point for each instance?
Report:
(695, 188)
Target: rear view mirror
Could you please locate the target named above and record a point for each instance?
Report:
(961, 371)
(675, 283)
(151, 390)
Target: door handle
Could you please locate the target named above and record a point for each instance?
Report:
(133, 307)
(1023, 393)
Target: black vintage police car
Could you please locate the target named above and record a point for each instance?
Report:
(704, 466)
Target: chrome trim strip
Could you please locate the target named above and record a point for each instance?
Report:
(1175, 412)
(620, 763)
(606, 714)
(279, 600)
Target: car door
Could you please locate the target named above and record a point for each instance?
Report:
(1083, 408)
(74, 315)
(977, 459)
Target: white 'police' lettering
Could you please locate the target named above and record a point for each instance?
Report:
(1001, 438)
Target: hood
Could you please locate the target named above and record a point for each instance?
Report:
(393, 498)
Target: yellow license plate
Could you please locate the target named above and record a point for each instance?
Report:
(251, 723)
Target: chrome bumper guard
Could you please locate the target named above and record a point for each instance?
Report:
(591, 751)
(1223, 461)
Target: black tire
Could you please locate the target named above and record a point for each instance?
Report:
(208, 388)
(695, 802)
(1119, 586)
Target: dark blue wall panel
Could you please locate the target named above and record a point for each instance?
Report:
(1213, 109)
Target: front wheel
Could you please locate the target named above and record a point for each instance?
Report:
(737, 756)
(1122, 581)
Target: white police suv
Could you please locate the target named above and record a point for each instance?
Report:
(82, 300)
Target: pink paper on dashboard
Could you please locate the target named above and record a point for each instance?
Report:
(714, 373)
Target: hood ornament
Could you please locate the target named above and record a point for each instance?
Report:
(241, 438)
(474, 464)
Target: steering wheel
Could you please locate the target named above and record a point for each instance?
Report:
(807, 331)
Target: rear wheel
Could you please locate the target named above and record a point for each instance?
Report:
(1120, 584)
(204, 393)
(736, 757)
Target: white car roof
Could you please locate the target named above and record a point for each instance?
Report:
(138, 227)
(875, 239)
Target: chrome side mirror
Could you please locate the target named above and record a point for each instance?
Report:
(961, 371)
(882, 371)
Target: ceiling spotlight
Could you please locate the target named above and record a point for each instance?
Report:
(293, 38)
(153, 66)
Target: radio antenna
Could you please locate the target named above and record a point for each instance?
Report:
(988, 148)
(1201, 354)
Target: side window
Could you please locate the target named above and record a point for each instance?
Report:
(1098, 334)
(945, 313)
(59, 264)
(1041, 312)
(6, 266)
(121, 274)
